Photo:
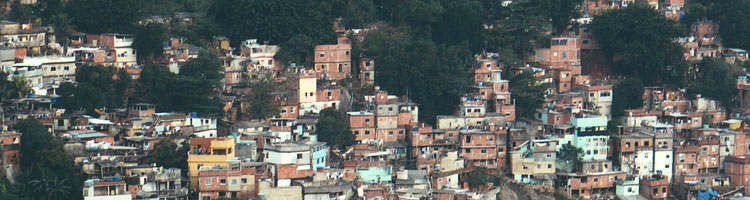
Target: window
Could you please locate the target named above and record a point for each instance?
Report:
(322, 55)
(244, 181)
(549, 166)
(367, 132)
(468, 150)
(604, 94)
(299, 156)
(664, 189)
(234, 182)
(484, 151)
(223, 181)
(356, 132)
(666, 166)
(208, 182)
(468, 139)
(656, 190)
(53, 69)
(390, 132)
(206, 197)
(402, 133)
(347, 53)
(596, 180)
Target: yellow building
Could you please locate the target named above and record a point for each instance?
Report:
(208, 152)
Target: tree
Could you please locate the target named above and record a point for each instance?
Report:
(460, 23)
(260, 99)
(149, 41)
(418, 16)
(640, 41)
(207, 67)
(560, 12)
(527, 93)
(733, 21)
(478, 178)
(18, 88)
(627, 94)
(715, 80)
(298, 50)
(333, 128)
(280, 21)
(521, 26)
(434, 76)
(193, 90)
(49, 9)
(23, 13)
(102, 16)
(97, 87)
(62, 24)
(359, 13)
(168, 154)
(48, 172)
(570, 156)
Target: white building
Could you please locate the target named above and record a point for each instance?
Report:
(663, 159)
(96, 189)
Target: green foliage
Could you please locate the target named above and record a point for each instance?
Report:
(418, 16)
(49, 9)
(478, 178)
(48, 172)
(168, 154)
(571, 156)
(627, 94)
(193, 90)
(298, 50)
(274, 21)
(460, 23)
(149, 41)
(96, 87)
(519, 27)
(560, 12)
(434, 76)
(715, 80)
(359, 13)
(333, 128)
(62, 25)
(18, 88)
(732, 16)
(643, 39)
(527, 93)
(260, 99)
(103, 16)
(22, 12)
(207, 67)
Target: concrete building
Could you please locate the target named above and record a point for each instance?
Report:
(534, 162)
(333, 61)
(237, 179)
(208, 152)
(110, 189)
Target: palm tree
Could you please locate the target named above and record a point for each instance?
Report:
(52, 187)
(62, 25)
(18, 88)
